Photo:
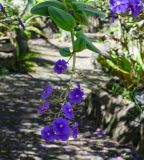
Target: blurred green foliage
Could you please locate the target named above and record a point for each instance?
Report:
(4, 71)
(19, 37)
(126, 60)
(70, 16)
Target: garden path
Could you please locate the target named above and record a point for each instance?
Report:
(20, 124)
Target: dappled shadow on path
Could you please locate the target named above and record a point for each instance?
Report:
(20, 127)
(20, 123)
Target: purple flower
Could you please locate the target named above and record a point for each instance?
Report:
(21, 23)
(43, 107)
(68, 110)
(47, 91)
(119, 6)
(61, 125)
(3, 10)
(60, 66)
(48, 134)
(63, 136)
(76, 95)
(75, 130)
(136, 7)
(62, 129)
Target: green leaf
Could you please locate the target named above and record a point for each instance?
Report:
(62, 19)
(29, 18)
(91, 47)
(125, 64)
(28, 56)
(89, 10)
(79, 44)
(81, 17)
(87, 43)
(65, 52)
(42, 8)
(117, 68)
(79, 5)
(35, 29)
(93, 12)
(139, 59)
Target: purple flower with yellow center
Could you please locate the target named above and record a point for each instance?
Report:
(43, 107)
(21, 23)
(60, 66)
(3, 10)
(47, 91)
(75, 130)
(47, 133)
(61, 128)
(68, 110)
(76, 95)
(136, 7)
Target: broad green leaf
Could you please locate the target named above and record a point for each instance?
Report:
(79, 5)
(125, 64)
(81, 17)
(115, 67)
(117, 70)
(79, 44)
(62, 19)
(65, 52)
(89, 10)
(42, 8)
(88, 44)
(93, 12)
(91, 47)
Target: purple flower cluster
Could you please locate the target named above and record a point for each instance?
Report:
(121, 6)
(60, 130)
(62, 127)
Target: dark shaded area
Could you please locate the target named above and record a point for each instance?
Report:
(20, 125)
(123, 122)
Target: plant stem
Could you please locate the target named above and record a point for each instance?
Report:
(74, 57)
(74, 63)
